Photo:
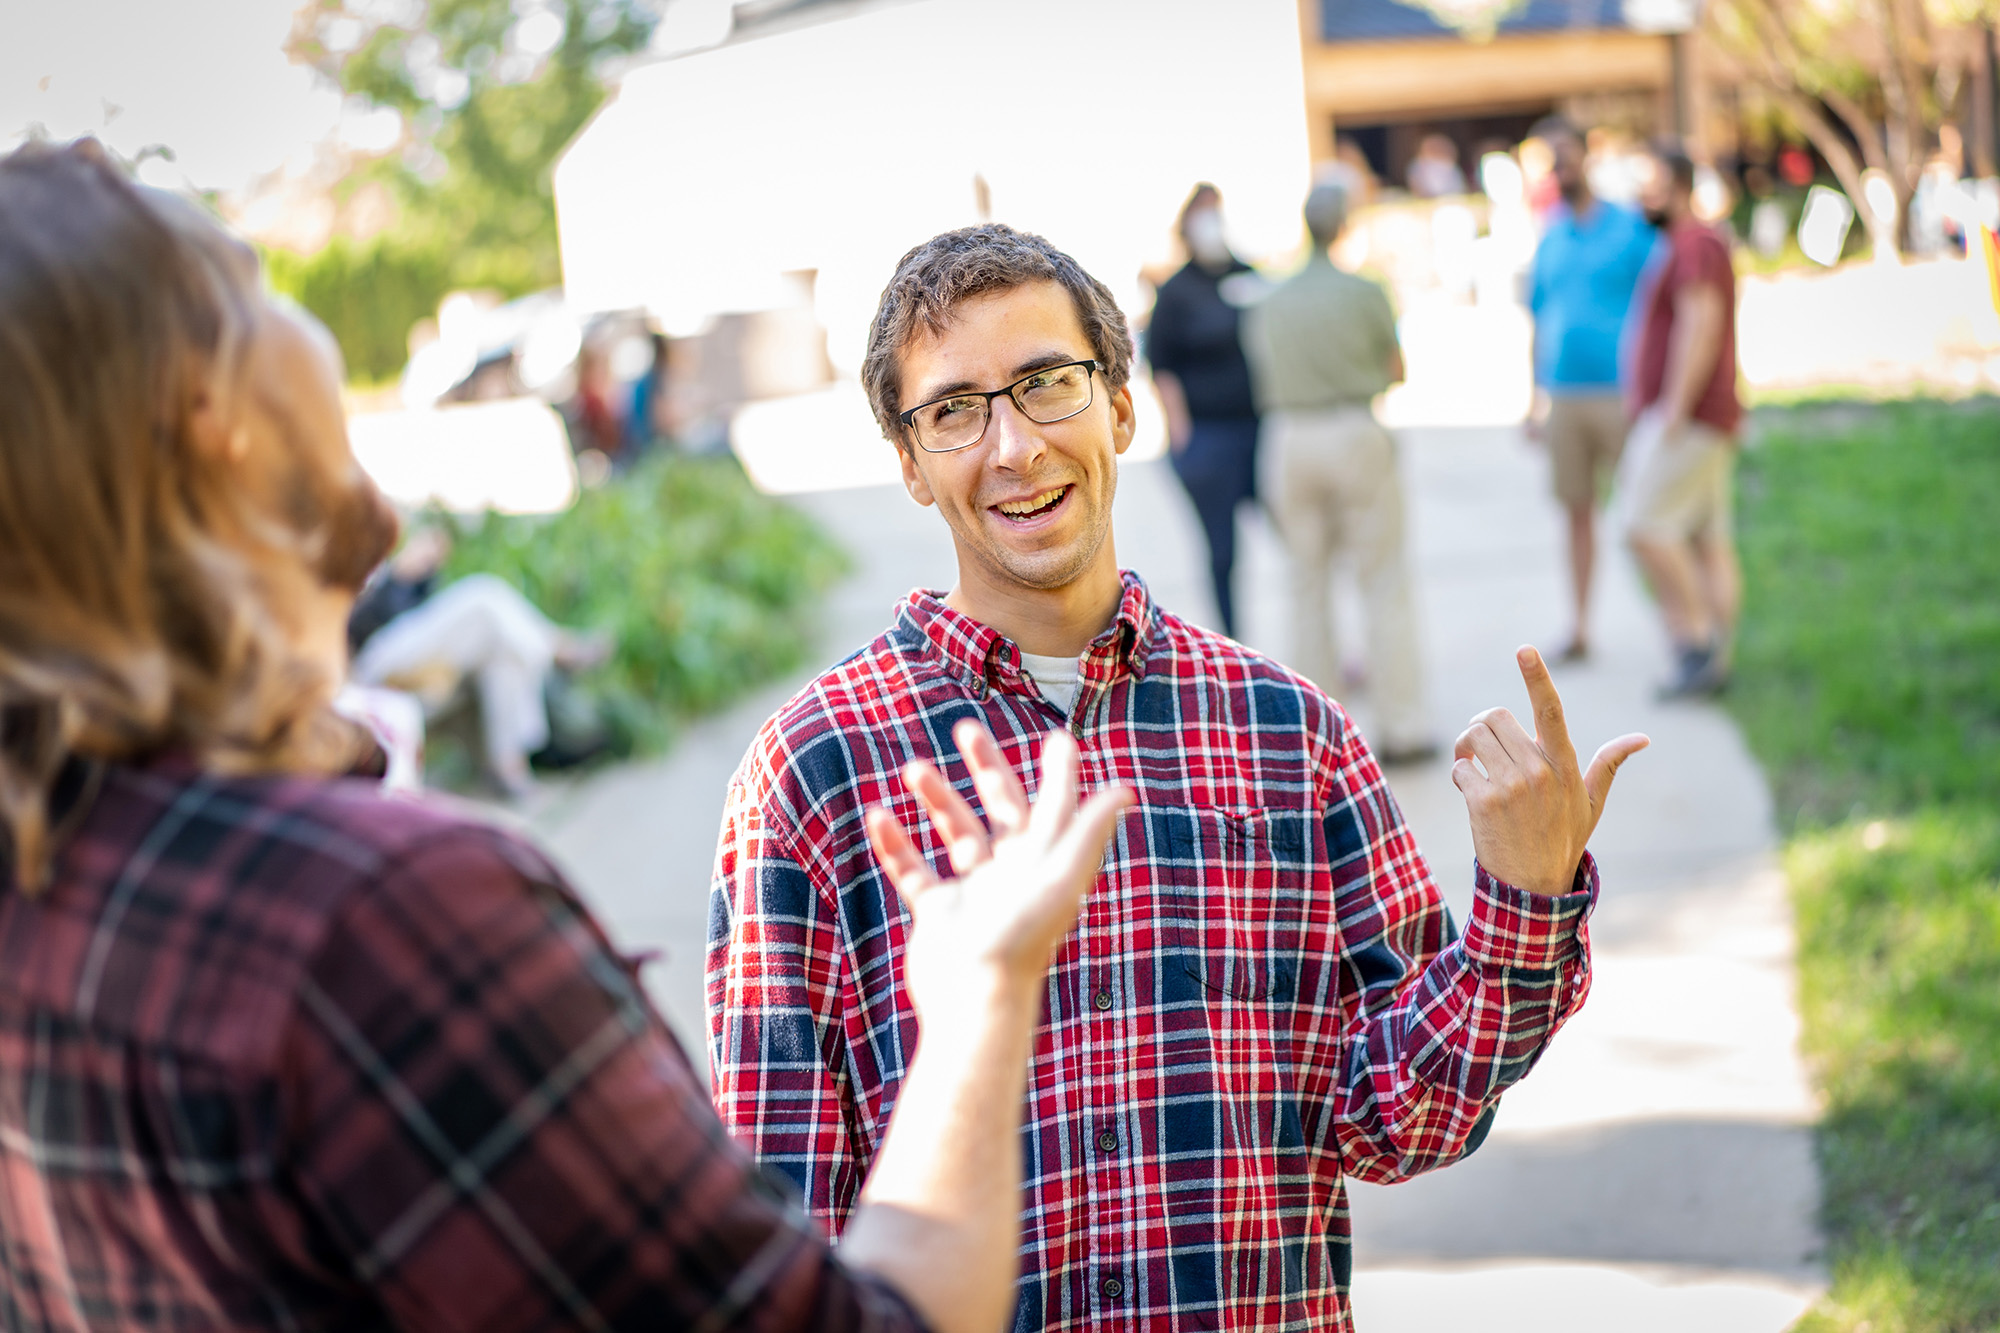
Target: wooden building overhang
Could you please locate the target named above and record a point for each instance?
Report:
(1428, 77)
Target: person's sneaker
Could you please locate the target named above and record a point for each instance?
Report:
(1700, 674)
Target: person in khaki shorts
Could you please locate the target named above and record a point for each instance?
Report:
(1320, 348)
(1681, 454)
(1586, 268)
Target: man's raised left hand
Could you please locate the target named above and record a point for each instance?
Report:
(1532, 810)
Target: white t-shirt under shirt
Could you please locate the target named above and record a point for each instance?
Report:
(1057, 676)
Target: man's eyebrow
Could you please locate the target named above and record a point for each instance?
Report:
(1040, 361)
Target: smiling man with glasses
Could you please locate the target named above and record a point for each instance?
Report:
(1263, 994)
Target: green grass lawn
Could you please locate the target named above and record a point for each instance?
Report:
(1869, 686)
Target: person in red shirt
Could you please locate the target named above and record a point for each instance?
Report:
(1265, 994)
(1681, 454)
(277, 1052)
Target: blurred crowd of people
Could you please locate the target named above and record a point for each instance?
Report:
(1761, 195)
(1621, 252)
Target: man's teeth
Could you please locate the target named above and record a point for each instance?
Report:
(1016, 508)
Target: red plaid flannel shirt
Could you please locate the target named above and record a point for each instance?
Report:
(1265, 993)
(282, 1054)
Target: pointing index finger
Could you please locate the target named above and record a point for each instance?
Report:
(1551, 730)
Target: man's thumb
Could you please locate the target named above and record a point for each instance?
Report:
(1604, 766)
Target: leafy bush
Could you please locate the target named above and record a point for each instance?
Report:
(706, 585)
(472, 183)
(367, 293)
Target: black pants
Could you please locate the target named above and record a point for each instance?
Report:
(1219, 469)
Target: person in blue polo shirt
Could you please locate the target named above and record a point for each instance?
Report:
(1586, 269)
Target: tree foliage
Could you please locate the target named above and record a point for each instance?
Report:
(489, 92)
(1868, 82)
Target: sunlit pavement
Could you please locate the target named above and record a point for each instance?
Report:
(1655, 1170)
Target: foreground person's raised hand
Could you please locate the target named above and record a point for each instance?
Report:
(1017, 890)
(1532, 810)
(940, 1214)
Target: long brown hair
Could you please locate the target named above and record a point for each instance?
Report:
(141, 599)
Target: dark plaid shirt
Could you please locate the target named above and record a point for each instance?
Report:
(283, 1054)
(1264, 994)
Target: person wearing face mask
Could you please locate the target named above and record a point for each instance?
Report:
(1676, 482)
(1204, 384)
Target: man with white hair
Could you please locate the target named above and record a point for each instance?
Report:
(1321, 347)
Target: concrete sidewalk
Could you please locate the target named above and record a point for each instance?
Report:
(1655, 1170)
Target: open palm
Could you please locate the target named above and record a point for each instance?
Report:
(1017, 889)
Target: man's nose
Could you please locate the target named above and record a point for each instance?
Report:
(1016, 442)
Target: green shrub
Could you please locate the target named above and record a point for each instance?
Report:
(368, 293)
(707, 586)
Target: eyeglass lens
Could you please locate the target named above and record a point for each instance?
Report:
(1044, 397)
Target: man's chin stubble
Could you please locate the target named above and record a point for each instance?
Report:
(1057, 571)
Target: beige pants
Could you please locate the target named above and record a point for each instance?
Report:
(1330, 480)
(1676, 487)
(479, 627)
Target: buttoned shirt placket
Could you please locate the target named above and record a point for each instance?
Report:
(1095, 1005)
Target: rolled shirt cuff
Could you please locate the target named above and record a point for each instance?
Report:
(1512, 927)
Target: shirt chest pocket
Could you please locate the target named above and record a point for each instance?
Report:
(1233, 898)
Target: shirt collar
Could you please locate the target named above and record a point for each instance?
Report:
(986, 659)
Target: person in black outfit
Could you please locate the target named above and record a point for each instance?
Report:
(1204, 384)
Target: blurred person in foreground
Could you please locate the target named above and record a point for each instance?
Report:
(1586, 267)
(1321, 347)
(1204, 384)
(1681, 454)
(279, 1053)
(1264, 994)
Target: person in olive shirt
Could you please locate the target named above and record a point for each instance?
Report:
(1320, 348)
(1204, 384)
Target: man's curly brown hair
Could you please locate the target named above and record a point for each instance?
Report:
(934, 279)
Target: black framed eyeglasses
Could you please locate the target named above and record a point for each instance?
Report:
(958, 421)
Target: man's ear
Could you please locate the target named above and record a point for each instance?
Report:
(913, 478)
(1123, 419)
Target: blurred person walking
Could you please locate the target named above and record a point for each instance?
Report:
(1321, 347)
(1676, 486)
(1586, 268)
(1197, 360)
(278, 1052)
